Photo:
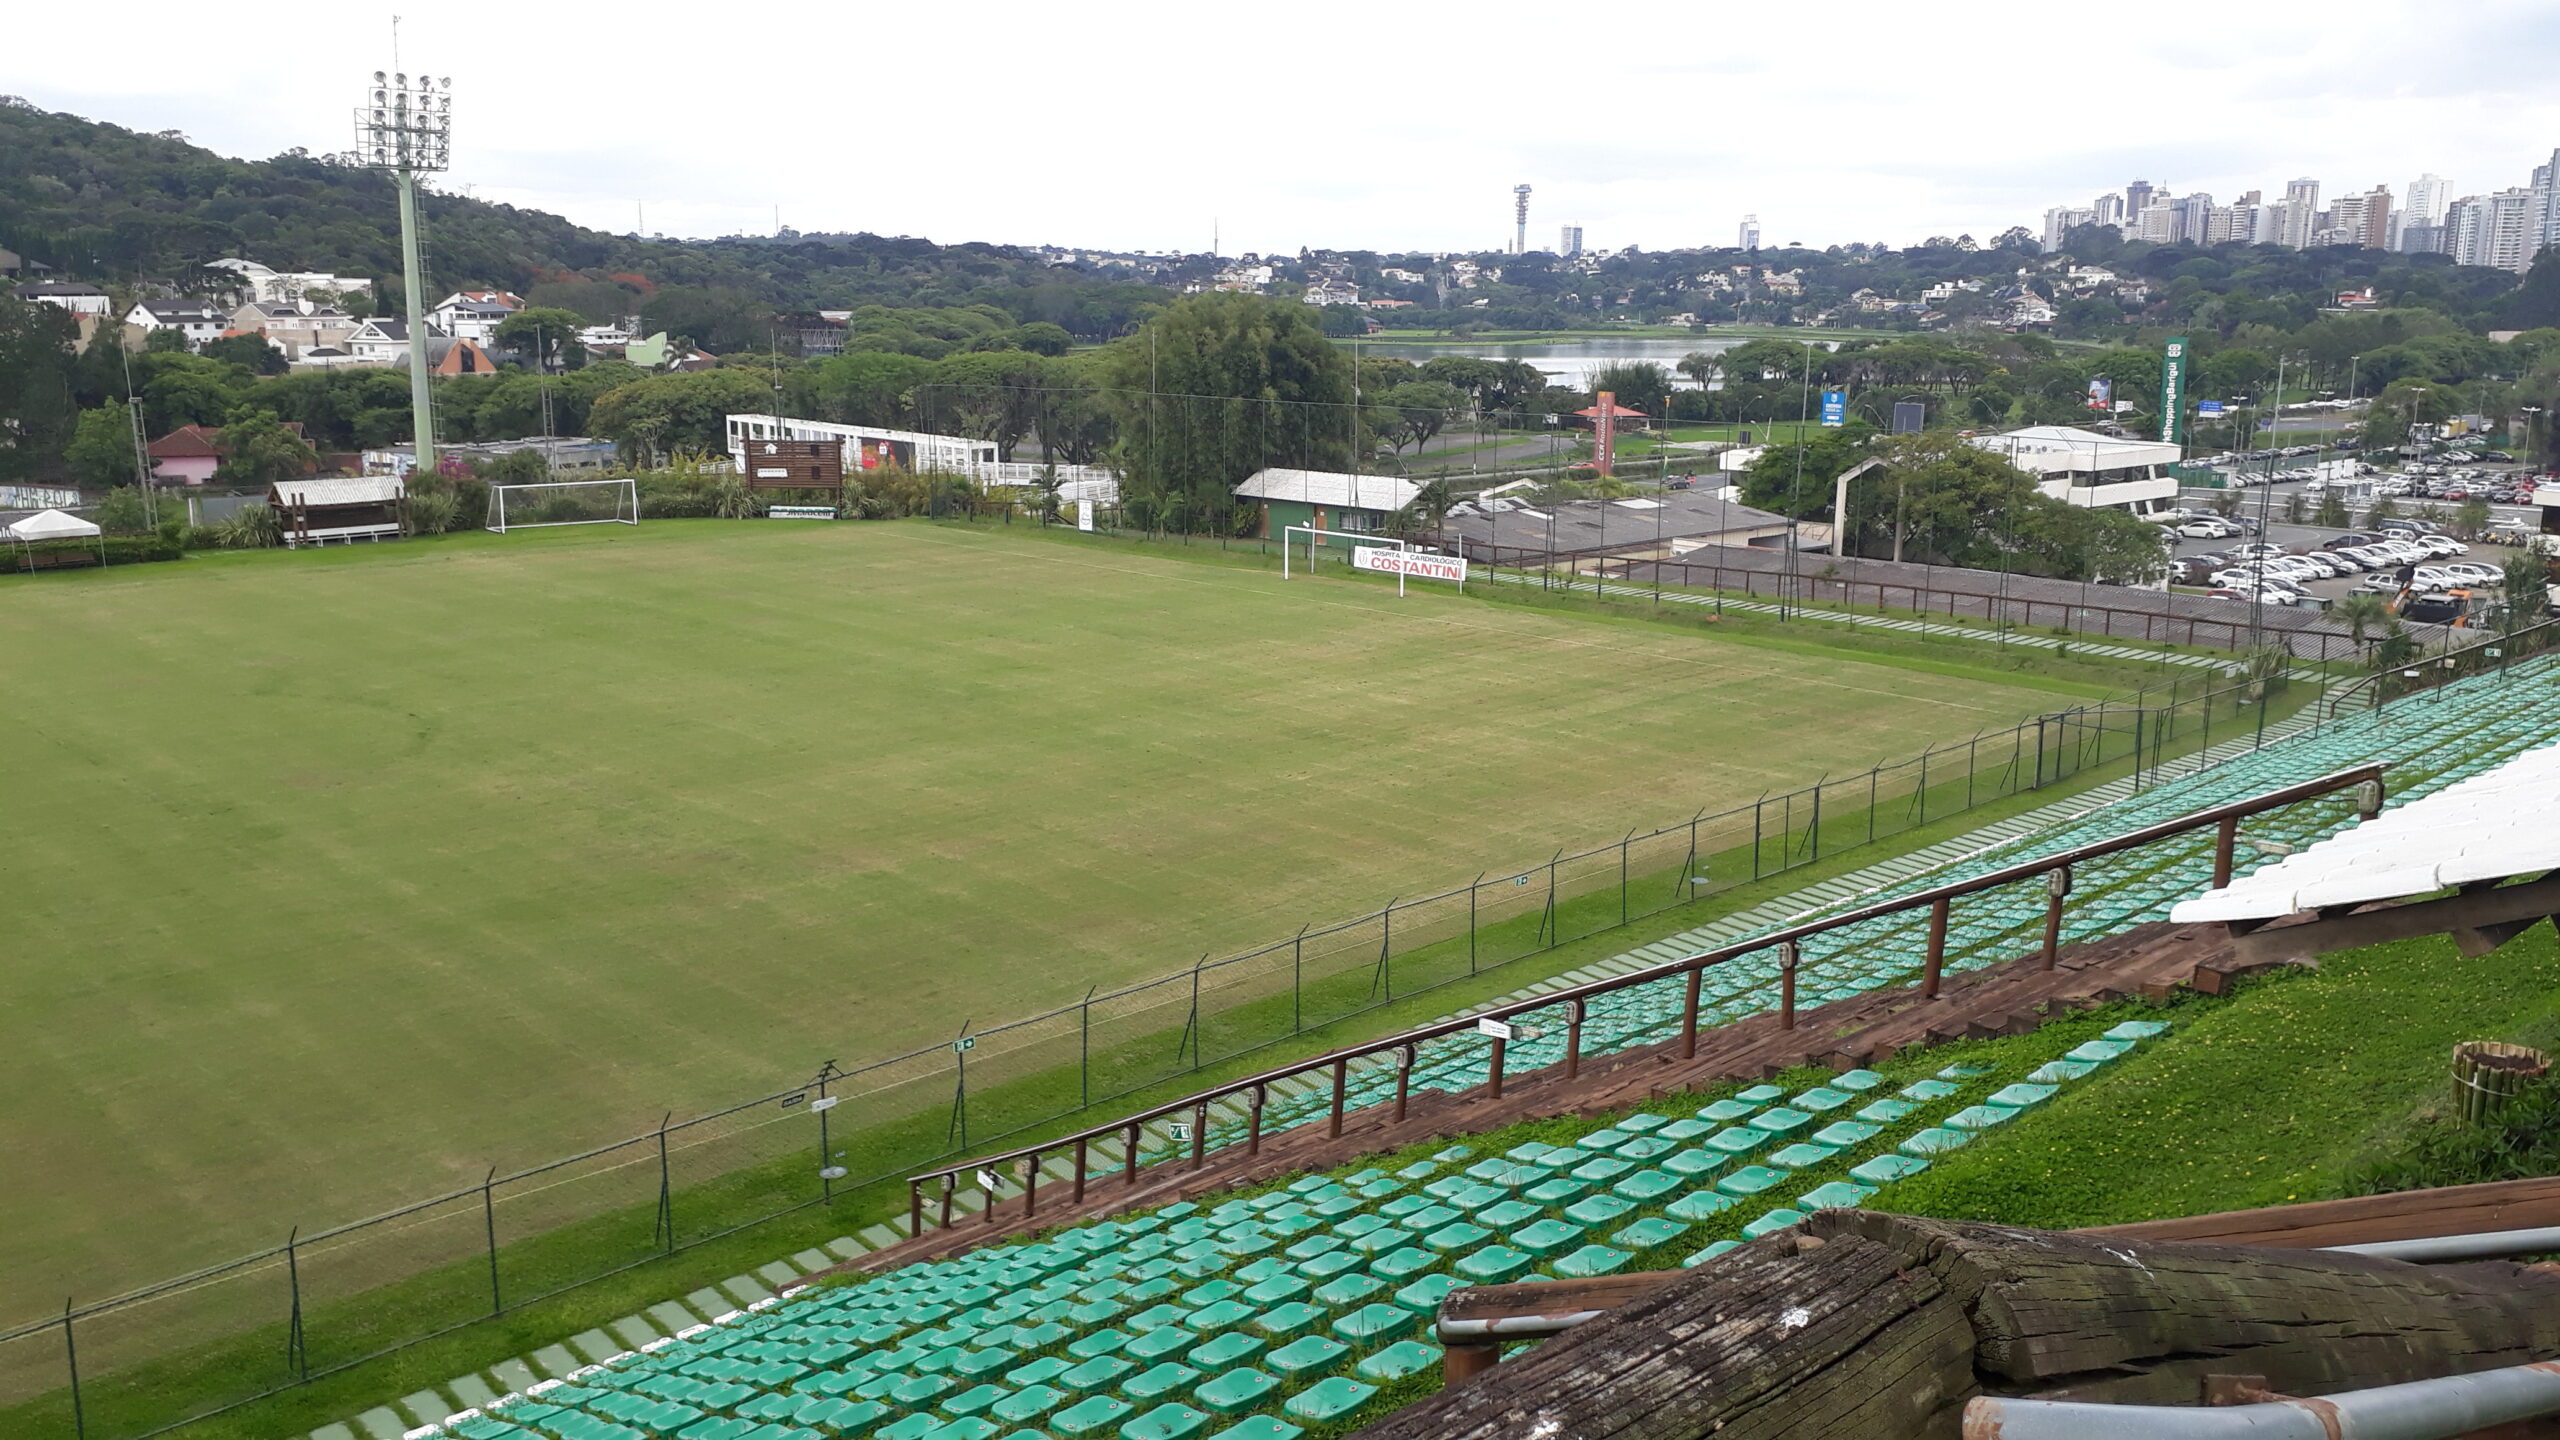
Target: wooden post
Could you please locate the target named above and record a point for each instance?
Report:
(1253, 1118)
(949, 1183)
(1689, 1015)
(2057, 885)
(1129, 1160)
(1461, 1363)
(1199, 1135)
(1031, 1185)
(1937, 949)
(1341, 1084)
(2226, 838)
(1573, 1040)
(1404, 1079)
(1493, 1071)
(1789, 956)
(915, 1208)
(1080, 1163)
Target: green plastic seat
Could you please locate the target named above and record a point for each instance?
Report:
(2057, 1072)
(1885, 1169)
(1690, 1164)
(1547, 1237)
(2020, 1097)
(1100, 1342)
(1160, 1342)
(1760, 1094)
(1026, 1405)
(1857, 1082)
(1597, 1209)
(2099, 1052)
(1602, 1170)
(1156, 1317)
(1647, 1233)
(1350, 1289)
(1269, 1267)
(1643, 1121)
(1981, 1117)
(1308, 1249)
(1423, 1296)
(1721, 1247)
(1799, 1155)
(1724, 1112)
(1681, 1132)
(1398, 1361)
(1646, 1147)
(1295, 1318)
(1224, 1315)
(1329, 1400)
(1509, 1214)
(1751, 1180)
(1589, 1261)
(1820, 1099)
(911, 1427)
(1090, 1416)
(1495, 1264)
(1236, 1391)
(1277, 1290)
(1738, 1140)
(1770, 1223)
(1405, 1263)
(1372, 1323)
(922, 1390)
(1099, 1373)
(1936, 1140)
(1646, 1186)
(1699, 1205)
(1837, 1195)
(1231, 1349)
(2138, 1030)
(1929, 1090)
(1602, 1141)
(1307, 1355)
(1559, 1191)
(1157, 1381)
(1841, 1134)
(975, 1400)
(1964, 1072)
(1456, 1235)
(1779, 1120)
(1255, 1427)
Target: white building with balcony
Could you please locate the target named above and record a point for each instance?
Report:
(2091, 470)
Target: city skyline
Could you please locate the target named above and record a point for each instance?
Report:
(919, 149)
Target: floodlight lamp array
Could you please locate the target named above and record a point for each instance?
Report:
(406, 123)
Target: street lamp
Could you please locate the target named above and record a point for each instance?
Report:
(406, 127)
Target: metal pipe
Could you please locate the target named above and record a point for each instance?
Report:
(2482, 1245)
(2435, 1409)
(1512, 1327)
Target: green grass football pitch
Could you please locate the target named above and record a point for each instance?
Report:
(338, 878)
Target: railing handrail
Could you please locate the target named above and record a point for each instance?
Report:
(1700, 962)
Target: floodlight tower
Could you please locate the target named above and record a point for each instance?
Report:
(1520, 219)
(407, 128)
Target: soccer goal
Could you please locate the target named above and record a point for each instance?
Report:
(564, 502)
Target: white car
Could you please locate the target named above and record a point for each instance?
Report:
(2208, 529)
(2475, 575)
(2444, 545)
(2433, 577)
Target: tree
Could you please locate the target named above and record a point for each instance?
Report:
(250, 352)
(258, 451)
(662, 415)
(101, 450)
(1701, 368)
(37, 412)
(2471, 518)
(870, 387)
(1219, 385)
(1424, 407)
(546, 333)
(2527, 584)
(2362, 612)
(2331, 513)
(1638, 384)
(2380, 510)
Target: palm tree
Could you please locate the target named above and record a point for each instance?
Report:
(2361, 611)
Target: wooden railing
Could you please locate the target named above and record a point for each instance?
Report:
(1939, 901)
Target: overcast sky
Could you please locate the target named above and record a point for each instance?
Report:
(1143, 126)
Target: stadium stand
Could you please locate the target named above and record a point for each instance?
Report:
(1304, 1308)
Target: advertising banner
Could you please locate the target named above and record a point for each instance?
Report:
(2102, 394)
(1835, 407)
(1408, 562)
(2173, 392)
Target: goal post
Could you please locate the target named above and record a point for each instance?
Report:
(1370, 551)
(563, 502)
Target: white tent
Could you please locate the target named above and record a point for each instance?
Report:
(51, 525)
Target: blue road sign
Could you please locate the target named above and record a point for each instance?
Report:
(1835, 407)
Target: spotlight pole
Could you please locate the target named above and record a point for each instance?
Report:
(407, 129)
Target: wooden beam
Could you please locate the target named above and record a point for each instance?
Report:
(2478, 920)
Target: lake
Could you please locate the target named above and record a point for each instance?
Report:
(1570, 362)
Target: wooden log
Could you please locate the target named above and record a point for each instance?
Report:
(1862, 1326)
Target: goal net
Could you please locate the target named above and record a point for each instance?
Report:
(564, 502)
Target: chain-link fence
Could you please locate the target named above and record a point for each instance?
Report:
(147, 1360)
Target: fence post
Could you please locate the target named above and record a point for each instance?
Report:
(2057, 884)
(1937, 949)
(71, 1356)
(1622, 875)
(1689, 1015)
(915, 1207)
(1031, 1186)
(1573, 1039)
(1871, 800)
(297, 1356)
(1078, 1194)
(1253, 1122)
(1084, 1052)
(666, 1192)
(1813, 831)
(1755, 833)
(1471, 921)
(1341, 1083)
(1404, 1079)
(1297, 970)
(489, 1216)
(1199, 1134)
(1129, 1157)
(1493, 1071)
(2226, 838)
(1789, 956)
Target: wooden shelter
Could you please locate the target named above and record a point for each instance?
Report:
(315, 512)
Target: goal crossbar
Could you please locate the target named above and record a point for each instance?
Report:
(541, 504)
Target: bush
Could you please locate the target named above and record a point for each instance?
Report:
(201, 537)
(2520, 1142)
(251, 527)
(432, 512)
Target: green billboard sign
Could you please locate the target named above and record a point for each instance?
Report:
(2173, 392)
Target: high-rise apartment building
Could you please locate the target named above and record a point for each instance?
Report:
(2492, 230)
(2108, 210)
(2060, 221)
(2301, 212)
(2427, 199)
(1750, 232)
(2157, 223)
(2188, 215)
(2138, 196)
(1572, 242)
(2542, 225)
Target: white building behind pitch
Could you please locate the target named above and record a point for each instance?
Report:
(2091, 470)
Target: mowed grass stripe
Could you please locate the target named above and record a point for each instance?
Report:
(343, 877)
